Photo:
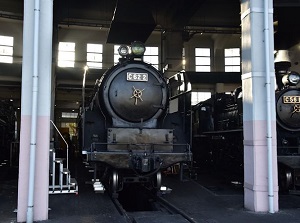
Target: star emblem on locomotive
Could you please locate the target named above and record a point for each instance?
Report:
(137, 94)
(296, 109)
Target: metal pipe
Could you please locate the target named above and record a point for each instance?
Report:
(83, 102)
(161, 50)
(269, 116)
(35, 86)
(83, 86)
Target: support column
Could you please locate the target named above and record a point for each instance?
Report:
(41, 183)
(219, 88)
(172, 52)
(255, 65)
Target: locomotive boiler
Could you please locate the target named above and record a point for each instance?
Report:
(126, 129)
(218, 123)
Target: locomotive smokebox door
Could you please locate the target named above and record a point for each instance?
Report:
(135, 93)
(288, 110)
(133, 99)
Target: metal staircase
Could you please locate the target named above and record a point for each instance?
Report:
(61, 181)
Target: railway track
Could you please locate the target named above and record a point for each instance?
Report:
(161, 211)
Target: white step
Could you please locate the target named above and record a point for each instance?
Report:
(59, 160)
(98, 187)
(73, 182)
(66, 171)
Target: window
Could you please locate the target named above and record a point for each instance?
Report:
(94, 55)
(232, 60)
(151, 56)
(199, 96)
(202, 59)
(6, 49)
(69, 122)
(66, 54)
(183, 59)
(72, 126)
(116, 54)
(69, 114)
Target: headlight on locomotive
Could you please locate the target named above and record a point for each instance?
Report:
(292, 78)
(123, 50)
(138, 48)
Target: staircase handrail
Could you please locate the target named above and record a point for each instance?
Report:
(64, 142)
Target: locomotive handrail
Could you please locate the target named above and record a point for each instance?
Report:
(151, 145)
(142, 144)
(64, 142)
(116, 143)
(223, 131)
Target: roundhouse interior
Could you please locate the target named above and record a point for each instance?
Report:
(174, 32)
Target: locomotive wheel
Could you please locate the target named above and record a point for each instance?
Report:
(285, 180)
(113, 183)
(157, 180)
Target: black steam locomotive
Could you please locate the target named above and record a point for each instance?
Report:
(126, 129)
(218, 124)
(218, 134)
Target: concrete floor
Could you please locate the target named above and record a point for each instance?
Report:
(207, 199)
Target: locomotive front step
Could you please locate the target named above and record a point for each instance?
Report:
(98, 187)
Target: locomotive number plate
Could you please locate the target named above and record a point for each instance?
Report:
(291, 99)
(137, 76)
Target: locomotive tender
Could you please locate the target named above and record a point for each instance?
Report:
(127, 131)
(218, 123)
